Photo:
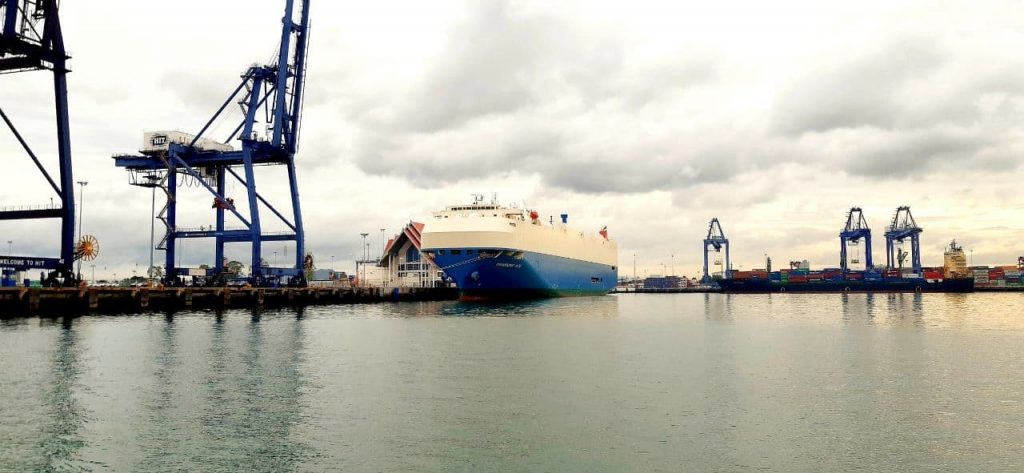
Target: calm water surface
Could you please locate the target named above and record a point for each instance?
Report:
(684, 382)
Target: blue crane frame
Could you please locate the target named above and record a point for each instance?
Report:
(277, 90)
(902, 227)
(856, 229)
(716, 239)
(24, 48)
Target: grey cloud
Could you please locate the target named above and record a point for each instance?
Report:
(490, 67)
(861, 92)
(902, 155)
(484, 149)
(522, 91)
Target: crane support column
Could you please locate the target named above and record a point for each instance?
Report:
(272, 94)
(902, 228)
(855, 231)
(716, 240)
(31, 39)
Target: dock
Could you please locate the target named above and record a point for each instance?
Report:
(674, 290)
(17, 302)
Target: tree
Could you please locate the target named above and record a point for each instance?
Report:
(234, 268)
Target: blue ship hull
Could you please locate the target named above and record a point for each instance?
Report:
(882, 285)
(488, 273)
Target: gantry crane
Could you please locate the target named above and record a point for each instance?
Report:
(903, 227)
(272, 93)
(856, 229)
(716, 240)
(31, 40)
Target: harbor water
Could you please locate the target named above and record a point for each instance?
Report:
(630, 382)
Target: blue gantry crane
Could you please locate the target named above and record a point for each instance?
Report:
(31, 40)
(855, 231)
(272, 93)
(715, 240)
(903, 227)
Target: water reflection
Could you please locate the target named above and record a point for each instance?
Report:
(786, 382)
(61, 435)
(598, 306)
(227, 393)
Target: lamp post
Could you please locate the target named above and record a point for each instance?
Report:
(363, 262)
(81, 211)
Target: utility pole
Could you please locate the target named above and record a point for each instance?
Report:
(81, 211)
(152, 231)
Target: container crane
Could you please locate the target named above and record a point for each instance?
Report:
(901, 228)
(856, 230)
(716, 240)
(31, 40)
(272, 93)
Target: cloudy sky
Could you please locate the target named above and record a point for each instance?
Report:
(650, 117)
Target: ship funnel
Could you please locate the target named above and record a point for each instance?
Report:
(565, 218)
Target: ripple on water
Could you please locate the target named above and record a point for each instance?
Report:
(881, 382)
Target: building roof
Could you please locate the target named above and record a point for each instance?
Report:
(412, 232)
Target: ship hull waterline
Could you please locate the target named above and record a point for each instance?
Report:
(916, 285)
(489, 274)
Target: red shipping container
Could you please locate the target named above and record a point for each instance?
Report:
(798, 278)
(855, 276)
(996, 274)
(932, 275)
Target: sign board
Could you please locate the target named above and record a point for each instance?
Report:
(22, 263)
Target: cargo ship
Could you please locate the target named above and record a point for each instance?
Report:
(952, 277)
(493, 252)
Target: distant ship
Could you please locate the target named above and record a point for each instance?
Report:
(953, 277)
(491, 251)
(840, 284)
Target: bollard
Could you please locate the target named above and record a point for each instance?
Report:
(33, 301)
